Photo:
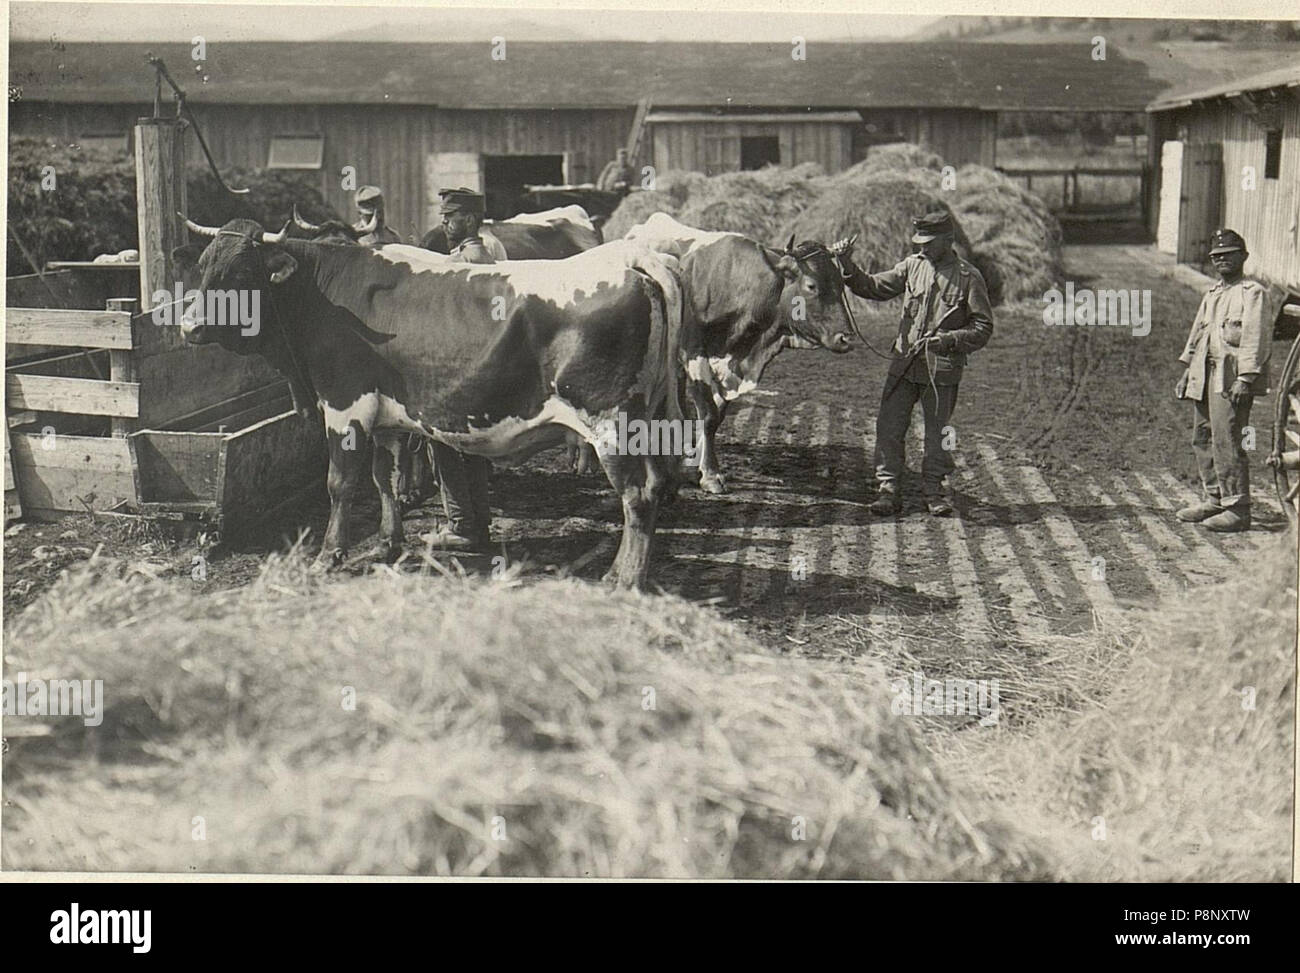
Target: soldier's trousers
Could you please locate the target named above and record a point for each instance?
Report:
(464, 483)
(1216, 441)
(891, 432)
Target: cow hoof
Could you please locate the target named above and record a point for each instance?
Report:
(388, 552)
(713, 484)
(327, 561)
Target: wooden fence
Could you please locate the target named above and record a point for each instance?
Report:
(1081, 192)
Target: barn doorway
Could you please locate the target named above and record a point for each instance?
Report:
(1201, 199)
(757, 151)
(505, 176)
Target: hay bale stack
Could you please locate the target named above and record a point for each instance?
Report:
(499, 728)
(899, 158)
(1015, 239)
(758, 204)
(1008, 233)
(878, 211)
(636, 208)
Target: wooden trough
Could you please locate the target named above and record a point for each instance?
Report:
(110, 411)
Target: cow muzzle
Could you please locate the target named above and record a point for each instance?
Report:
(839, 342)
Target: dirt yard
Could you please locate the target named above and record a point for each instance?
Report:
(1070, 448)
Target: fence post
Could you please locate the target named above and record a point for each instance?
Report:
(121, 363)
(160, 193)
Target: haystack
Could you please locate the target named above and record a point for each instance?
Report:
(757, 204)
(1184, 772)
(636, 208)
(898, 158)
(408, 724)
(1015, 239)
(878, 211)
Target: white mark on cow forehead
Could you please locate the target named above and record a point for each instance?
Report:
(562, 282)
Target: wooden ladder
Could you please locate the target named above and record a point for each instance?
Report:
(638, 128)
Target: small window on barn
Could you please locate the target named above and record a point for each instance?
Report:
(296, 152)
(1272, 153)
(757, 151)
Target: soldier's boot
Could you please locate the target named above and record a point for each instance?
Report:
(938, 505)
(886, 503)
(1201, 510)
(1229, 520)
(452, 538)
(936, 498)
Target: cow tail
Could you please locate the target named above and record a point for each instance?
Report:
(666, 337)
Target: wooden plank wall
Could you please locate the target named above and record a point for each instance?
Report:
(683, 145)
(1267, 216)
(959, 135)
(387, 144)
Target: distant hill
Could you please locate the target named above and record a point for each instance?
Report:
(1182, 53)
(450, 31)
(1119, 30)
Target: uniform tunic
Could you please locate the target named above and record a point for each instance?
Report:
(1229, 339)
(1231, 328)
(949, 300)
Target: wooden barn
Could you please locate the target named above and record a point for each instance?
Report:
(1230, 156)
(414, 118)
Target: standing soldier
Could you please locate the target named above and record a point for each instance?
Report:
(946, 316)
(618, 174)
(370, 207)
(1226, 356)
(463, 478)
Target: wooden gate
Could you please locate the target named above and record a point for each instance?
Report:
(1201, 201)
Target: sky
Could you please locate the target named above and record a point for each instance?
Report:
(413, 22)
(459, 20)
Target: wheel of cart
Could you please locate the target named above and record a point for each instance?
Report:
(1285, 457)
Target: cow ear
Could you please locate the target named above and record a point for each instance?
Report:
(185, 258)
(281, 266)
(781, 263)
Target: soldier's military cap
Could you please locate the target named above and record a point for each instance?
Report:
(931, 225)
(1225, 241)
(368, 196)
(462, 201)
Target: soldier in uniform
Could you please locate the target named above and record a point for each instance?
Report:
(946, 316)
(618, 174)
(370, 203)
(462, 221)
(1226, 355)
(463, 478)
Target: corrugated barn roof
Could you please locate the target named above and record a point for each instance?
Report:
(593, 75)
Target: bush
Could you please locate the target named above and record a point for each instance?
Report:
(92, 209)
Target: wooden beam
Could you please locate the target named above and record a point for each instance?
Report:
(76, 472)
(160, 194)
(68, 329)
(79, 396)
(122, 367)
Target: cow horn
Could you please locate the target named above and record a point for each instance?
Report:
(371, 226)
(789, 247)
(208, 231)
(276, 237)
(301, 223)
